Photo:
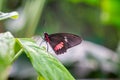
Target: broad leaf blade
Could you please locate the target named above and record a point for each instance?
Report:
(46, 65)
(7, 43)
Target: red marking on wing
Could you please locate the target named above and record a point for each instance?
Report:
(59, 46)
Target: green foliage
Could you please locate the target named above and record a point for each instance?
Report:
(13, 15)
(6, 53)
(47, 67)
(111, 12)
(91, 2)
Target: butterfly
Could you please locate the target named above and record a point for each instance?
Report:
(60, 42)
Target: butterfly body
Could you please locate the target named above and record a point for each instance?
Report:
(60, 42)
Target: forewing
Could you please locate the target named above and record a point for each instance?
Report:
(55, 39)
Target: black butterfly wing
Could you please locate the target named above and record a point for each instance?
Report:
(55, 39)
(69, 40)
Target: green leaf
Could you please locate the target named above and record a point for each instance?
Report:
(47, 67)
(13, 15)
(7, 43)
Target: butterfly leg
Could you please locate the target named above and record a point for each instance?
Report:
(41, 42)
(47, 46)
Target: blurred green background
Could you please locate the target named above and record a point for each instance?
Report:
(97, 21)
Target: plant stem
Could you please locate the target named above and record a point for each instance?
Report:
(33, 10)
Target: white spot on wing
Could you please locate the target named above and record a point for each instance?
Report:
(65, 38)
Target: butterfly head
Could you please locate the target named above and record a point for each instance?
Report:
(46, 37)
